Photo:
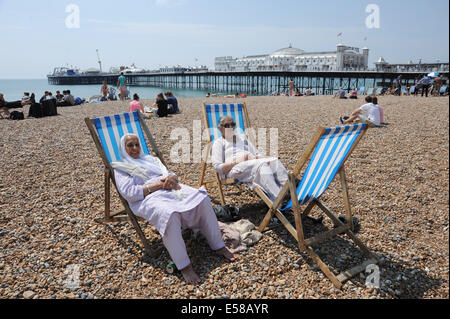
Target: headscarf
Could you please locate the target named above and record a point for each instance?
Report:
(142, 166)
(139, 167)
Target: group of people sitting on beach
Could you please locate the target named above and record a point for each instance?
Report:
(342, 94)
(65, 99)
(230, 96)
(162, 107)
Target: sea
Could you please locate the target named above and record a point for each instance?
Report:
(13, 90)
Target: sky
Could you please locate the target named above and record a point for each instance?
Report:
(38, 36)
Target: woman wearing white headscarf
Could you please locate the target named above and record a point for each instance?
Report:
(154, 194)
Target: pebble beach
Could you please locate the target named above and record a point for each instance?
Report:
(52, 189)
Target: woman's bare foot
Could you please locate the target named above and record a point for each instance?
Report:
(226, 253)
(190, 276)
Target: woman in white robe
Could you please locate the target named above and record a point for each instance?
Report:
(154, 194)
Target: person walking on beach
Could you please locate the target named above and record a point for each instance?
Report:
(426, 82)
(398, 85)
(122, 86)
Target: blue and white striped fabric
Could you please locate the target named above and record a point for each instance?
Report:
(110, 130)
(326, 160)
(215, 111)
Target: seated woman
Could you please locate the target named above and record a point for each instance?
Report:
(162, 105)
(155, 195)
(136, 104)
(353, 94)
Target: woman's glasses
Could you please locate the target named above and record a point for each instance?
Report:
(228, 125)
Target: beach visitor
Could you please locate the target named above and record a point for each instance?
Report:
(44, 97)
(437, 84)
(291, 87)
(398, 85)
(371, 110)
(308, 92)
(136, 104)
(122, 86)
(426, 82)
(161, 105)
(67, 100)
(58, 96)
(155, 194)
(233, 156)
(341, 94)
(375, 102)
(104, 90)
(353, 94)
(172, 103)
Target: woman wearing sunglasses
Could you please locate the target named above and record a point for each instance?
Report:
(233, 156)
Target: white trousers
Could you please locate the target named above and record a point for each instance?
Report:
(201, 218)
(271, 177)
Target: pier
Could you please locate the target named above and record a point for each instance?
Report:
(252, 83)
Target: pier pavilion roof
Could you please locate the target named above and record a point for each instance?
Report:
(287, 52)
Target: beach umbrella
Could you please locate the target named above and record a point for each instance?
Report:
(433, 74)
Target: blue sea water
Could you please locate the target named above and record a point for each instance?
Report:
(13, 90)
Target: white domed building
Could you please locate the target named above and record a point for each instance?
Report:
(293, 59)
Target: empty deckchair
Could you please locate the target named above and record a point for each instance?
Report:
(211, 116)
(106, 133)
(443, 90)
(404, 90)
(362, 90)
(370, 91)
(379, 90)
(327, 154)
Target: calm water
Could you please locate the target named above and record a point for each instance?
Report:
(13, 90)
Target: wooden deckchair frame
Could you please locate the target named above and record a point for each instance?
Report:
(217, 180)
(297, 231)
(126, 214)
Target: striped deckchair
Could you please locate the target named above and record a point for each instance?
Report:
(327, 154)
(211, 116)
(370, 91)
(362, 90)
(106, 133)
(379, 91)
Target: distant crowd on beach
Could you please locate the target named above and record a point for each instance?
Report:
(38, 109)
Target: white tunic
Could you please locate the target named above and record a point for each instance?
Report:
(267, 173)
(157, 207)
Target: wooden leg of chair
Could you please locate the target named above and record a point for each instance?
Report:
(298, 219)
(147, 247)
(348, 210)
(266, 220)
(326, 270)
(219, 186)
(107, 195)
(202, 174)
(308, 210)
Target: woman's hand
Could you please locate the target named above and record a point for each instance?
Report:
(171, 183)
